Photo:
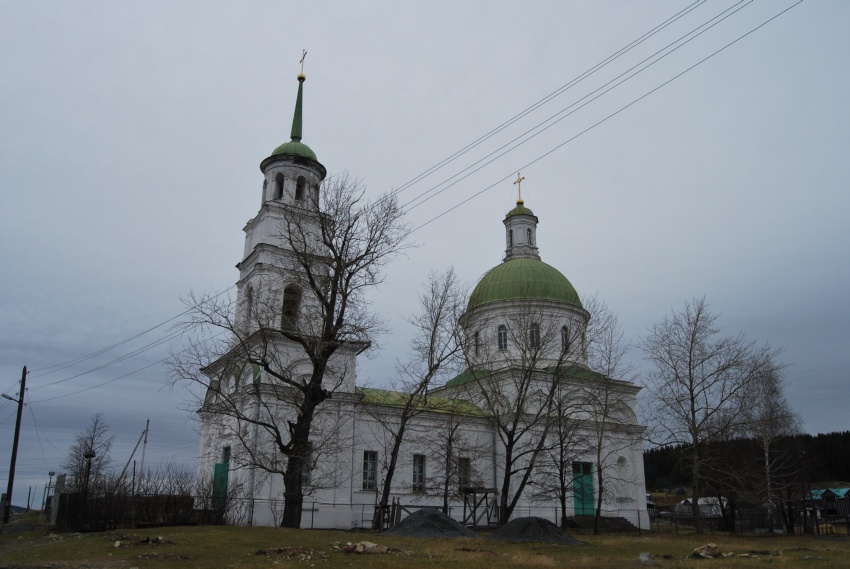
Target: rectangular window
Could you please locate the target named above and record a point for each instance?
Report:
(225, 455)
(370, 470)
(307, 468)
(418, 472)
(464, 469)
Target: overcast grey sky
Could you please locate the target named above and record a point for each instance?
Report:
(131, 135)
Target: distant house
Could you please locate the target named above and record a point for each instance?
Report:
(711, 507)
(831, 502)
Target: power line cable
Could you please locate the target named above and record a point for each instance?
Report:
(129, 355)
(63, 365)
(628, 47)
(621, 109)
(552, 120)
(38, 437)
(119, 377)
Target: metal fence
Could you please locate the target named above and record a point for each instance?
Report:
(747, 522)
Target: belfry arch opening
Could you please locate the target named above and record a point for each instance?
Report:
(277, 190)
(300, 188)
(291, 305)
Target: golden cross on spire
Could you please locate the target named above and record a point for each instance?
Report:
(303, 56)
(518, 183)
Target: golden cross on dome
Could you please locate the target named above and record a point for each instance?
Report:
(303, 56)
(518, 183)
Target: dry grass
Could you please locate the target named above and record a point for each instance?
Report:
(233, 547)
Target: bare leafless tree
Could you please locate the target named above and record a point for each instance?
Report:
(265, 367)
(451, 440)
(88, 459)
(605, 400)
(769, 420)
(515, 376)
(698, 383)
(435, 352)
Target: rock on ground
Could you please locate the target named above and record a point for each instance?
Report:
(533, 529)
(428, 522)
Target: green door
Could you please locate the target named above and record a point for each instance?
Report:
(219, 493)
(583, 489)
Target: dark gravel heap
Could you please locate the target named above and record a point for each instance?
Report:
(428, 522)
(533, 529)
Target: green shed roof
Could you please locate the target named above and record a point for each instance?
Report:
(524, 278)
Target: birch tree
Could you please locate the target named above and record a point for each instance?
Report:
(698, 383)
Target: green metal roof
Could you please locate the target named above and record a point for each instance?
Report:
(524, 278)
(467, 376)
(372, 396)
(571, 371)
(295, 147)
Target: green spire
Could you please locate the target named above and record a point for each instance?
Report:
(295, 147)
(296, 118)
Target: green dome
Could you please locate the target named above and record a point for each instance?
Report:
(295, 148)
(523, 279)
(519, 210)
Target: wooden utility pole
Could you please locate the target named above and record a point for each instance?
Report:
(7, 505)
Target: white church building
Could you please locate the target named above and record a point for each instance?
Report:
(572, 421)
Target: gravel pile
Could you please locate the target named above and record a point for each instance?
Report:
(428, 522)
(533, 529)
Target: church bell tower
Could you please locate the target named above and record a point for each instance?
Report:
(291, 183)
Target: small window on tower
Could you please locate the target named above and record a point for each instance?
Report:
(278, 187)
(565, 339)
(477, 343)
(510, 238)
(534, 335)
(300, 186)
(528, 234)
(503, 338)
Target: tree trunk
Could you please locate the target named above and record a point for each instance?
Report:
(598, 494)
(448, 479)
(299, 448)
(695, 491)
(377, 523)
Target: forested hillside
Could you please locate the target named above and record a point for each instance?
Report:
(814, 459)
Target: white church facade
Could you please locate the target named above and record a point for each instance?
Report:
(527, 363)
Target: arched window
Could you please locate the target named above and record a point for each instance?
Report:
(291, 302)
(510, 238)
(528, 234)
(565, 339)
(477, 343)
(278, 187)
(300, 186)
(503, 338)
(534, 335)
